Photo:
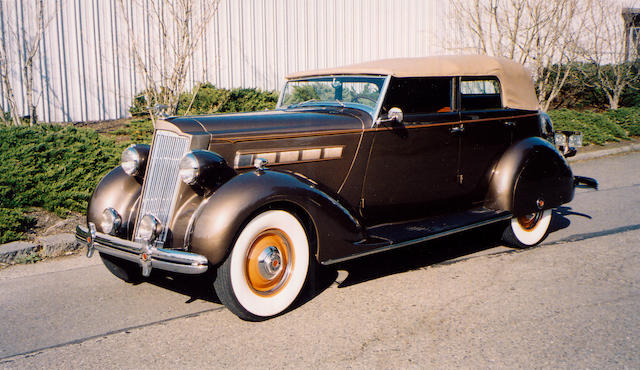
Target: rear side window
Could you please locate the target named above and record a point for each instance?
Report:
(419, 95)
(480, 93)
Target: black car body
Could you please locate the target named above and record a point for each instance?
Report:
(355, 160)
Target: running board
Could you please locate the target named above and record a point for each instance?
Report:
(387, 237)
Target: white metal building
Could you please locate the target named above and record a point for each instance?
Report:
(85, 69)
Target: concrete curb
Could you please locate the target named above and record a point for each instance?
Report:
(634, 147)
(45, 247)
(64, 244)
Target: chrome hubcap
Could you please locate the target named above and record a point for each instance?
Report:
(270, 262)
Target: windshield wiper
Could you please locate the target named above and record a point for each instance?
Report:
(302, 103)
(316, 100)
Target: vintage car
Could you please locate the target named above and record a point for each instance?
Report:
(353, 161)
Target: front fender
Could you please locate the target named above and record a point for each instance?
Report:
(531, 175)
(220, 218)
(120, 192)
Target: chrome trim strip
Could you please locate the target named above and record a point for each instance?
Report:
(286, 156)
(163, 259)
(420, 240)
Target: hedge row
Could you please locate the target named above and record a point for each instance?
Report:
(210, 99)
(56, 167)
(598, 128)
(52, 167)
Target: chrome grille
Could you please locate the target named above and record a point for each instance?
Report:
(161, 179)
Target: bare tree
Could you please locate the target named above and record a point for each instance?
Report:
(31, 49)
(4, 74)
(538, 34)
(180, 31)
(32, 38)
(603, 47)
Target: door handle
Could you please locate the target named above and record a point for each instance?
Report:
(457, 129)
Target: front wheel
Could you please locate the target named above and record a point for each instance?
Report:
(267, 267)
(528, 230)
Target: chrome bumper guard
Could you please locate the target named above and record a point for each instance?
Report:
(160, 258)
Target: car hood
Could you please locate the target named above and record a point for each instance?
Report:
(237, 126)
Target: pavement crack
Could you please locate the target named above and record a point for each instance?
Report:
(35, 352)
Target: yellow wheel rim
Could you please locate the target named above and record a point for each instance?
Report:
(268, 262)
(528, 222)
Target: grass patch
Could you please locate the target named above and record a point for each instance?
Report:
(138, 130)
(596, 128)
(627, 118)
(13, 224)
(52, 167)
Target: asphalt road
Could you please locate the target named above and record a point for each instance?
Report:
(462, 301)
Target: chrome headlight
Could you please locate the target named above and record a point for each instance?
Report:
(204, 169)
(134, 159)
(189, 168)
(111, 221)
(149, 228)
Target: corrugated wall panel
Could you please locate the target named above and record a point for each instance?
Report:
(86, 70)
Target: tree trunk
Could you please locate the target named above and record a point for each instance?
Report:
(11, 99)
(28, 82)
(614, 101)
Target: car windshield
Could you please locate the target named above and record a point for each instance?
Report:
(353, 91)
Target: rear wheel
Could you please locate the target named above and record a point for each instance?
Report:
(267, 267)
(124, 270)
(528, 230)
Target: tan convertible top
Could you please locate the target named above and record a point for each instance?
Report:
(517, 86)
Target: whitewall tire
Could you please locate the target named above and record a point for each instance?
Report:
(528, 230)
(266, 268)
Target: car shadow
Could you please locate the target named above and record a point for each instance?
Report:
(421, 255)
(561, 220)
(442, 251)
(196, 287)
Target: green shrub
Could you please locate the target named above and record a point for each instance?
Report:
(596, 128)
(627, 118)
(139, 131)
(249, 100)
(13, 224)
(52, 167)
(210, 99)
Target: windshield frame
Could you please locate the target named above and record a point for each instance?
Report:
(373, 111)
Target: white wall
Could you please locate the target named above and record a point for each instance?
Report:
(85, 70)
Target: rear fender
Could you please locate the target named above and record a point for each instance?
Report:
(221, 217)
(531, 175)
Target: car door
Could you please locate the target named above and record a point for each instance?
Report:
(487, 132)
(413, 164)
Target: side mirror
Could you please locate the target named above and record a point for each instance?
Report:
(395, 115)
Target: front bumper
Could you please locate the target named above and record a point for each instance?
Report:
(147, 257)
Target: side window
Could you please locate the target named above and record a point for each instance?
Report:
(419, 95)
(480, 93)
